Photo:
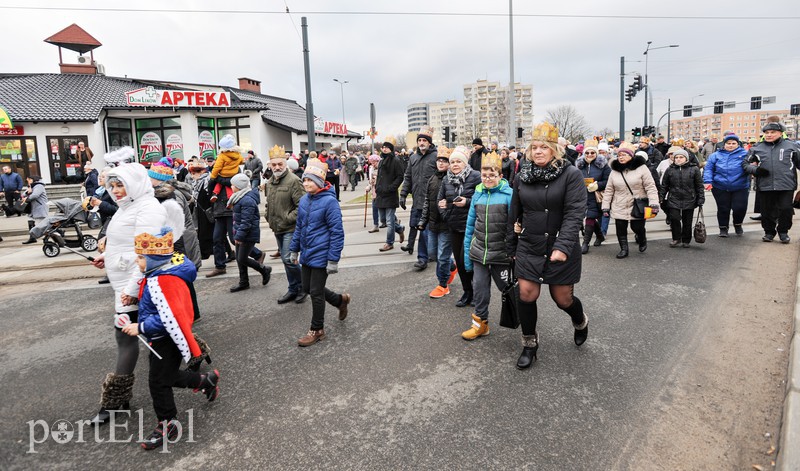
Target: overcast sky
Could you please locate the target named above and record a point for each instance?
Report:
(394, 60)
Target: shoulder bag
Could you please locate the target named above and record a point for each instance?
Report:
(637, 212)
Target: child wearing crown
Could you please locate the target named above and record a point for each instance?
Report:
(165, 318)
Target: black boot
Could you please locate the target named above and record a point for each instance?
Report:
(581, 330)
(530, 344)
(643, 242)
(31, 240)
(465, 300)
(623, 246)
(412, 237)
(600, 238)
(266, 272)
(116, 395)
(586, 239)
(243, 285)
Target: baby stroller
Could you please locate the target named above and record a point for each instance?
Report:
(69, 215)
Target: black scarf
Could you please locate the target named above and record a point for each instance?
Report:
(529, 173)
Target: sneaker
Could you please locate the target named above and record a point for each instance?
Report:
(479, 328)
(419, 266)
(209, 385)
(738, 229)
(373, 230)
(156, 439)
(453, 274)
(723, 231)
(343, 306)
(784, 237)
(216, 272)
(439, 292)
(768, 237)
(674, 243)
(686, 245)
(312, 337)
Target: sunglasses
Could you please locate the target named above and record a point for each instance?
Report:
(590, 153)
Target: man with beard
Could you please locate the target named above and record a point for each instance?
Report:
(388, 180)
(421, 165)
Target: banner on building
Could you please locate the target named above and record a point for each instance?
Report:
(150, 96)
(207, 144)
(150, 146)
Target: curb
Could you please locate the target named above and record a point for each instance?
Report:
(788, 451)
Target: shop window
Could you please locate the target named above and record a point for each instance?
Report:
(158, 137)
(207, 137)
(119, 133)
(239, 128)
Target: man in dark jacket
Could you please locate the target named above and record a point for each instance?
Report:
(11, 184)
(477, 154)
(661, 145)
(421, 165)
(774, 162)
(388, 180)
(256, 167)
(654, 156)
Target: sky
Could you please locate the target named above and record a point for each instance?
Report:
(402, 53)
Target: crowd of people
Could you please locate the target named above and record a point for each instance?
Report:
(515, 219)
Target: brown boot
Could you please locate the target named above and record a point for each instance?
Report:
(312, 337)
(343, 306)
(386, 247)
(216, 272)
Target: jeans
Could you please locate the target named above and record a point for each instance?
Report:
(314, 284)
(375, 213)
(292, 271)
(457, 243)
(482, 287)
(222, 226)
(681, 224)
(776, 206)
(166, 374)
(440, 242)
(730, 200)
(422, 247)
(391, 224)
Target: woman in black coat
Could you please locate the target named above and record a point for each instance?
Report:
(682, 190)
(547, 212)
(455, 196)
(594, 169)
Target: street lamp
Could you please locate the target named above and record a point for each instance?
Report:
(341, 88)
(697, 96)
(646, 88)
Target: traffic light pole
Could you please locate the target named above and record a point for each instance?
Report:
(622, 98)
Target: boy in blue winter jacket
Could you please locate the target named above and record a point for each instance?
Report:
(317, 244)
(165, 317)
(485, 251)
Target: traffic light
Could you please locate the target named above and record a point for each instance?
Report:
(453, 137)
(718, 106)
(519, 133)
(687, 111)
(648, 130)
(446, 132)
(637, 132)
(629, 94)
(794, 110)
(755, 103)
(637, 82)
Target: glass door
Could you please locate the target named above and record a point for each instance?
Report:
(66, 159)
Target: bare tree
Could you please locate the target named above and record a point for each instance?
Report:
(401, 141)
(570, 124)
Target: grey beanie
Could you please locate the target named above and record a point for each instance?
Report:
(240, 181)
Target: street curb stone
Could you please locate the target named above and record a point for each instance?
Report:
(789, 452)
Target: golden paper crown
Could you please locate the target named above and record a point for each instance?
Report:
(545, 132)
(426, 131)
(590, 143)
(391, 140)
(277, 152)
(443, 152)
(148, 244)
(317, 168)
(678, 142)
(492, 160)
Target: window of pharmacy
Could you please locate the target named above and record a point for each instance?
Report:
(157, 137)
(211, 130)
(67, 158)
(20, 154)
(120, 133)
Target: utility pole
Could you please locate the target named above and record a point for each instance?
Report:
(312, 143)
(622, 98)
(512, 130)
(669, 131)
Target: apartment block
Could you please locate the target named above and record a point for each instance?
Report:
(746, 124)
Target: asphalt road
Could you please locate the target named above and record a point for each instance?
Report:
(394, 385)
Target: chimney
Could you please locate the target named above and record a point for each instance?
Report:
(249, 84)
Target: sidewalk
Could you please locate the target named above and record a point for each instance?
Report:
(789, 451)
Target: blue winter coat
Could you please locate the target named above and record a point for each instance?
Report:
(599, 170)
(150, 322)
(724, 171)
(246, 217)
(319, 235)
(10, 182)
(487, 226)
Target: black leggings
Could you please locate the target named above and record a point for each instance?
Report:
(637, 226)
(457, 242)
(314, 284)
(127, 349)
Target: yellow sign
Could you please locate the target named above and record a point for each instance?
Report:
(5, 121)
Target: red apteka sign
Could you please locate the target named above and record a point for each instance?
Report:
(334, 128)
(150, 96)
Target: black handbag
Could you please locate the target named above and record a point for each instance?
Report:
(637, 212)
(700, 233)
(509, 317)
(22, 208)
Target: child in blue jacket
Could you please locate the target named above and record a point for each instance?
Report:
(165, 317)
(317, 244)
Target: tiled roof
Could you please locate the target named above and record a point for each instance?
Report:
(74, 97)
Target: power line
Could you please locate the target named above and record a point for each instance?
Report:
(399, 13)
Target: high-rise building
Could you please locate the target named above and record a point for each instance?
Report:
(449, 114)
(745, 124)
(417, 116)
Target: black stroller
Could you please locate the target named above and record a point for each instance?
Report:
(69, 215)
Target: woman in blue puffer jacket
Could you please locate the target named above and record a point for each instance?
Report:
(729, 184)
(317, 244)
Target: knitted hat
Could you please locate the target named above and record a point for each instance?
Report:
(732, 137)
(425, 133)
(680, 152)
(159, 171)
(316, 171)
(227, 142)
(626, 148)
(460, 153)
(167, 161)
(374, 158)
(389, 142)
(773, 124)
(477, 141)
(673, 149)
(602, 146)
(240, 181)
(642, 154)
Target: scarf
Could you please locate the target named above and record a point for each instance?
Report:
(458, 180)
(198, 184)
(529, 173)
(237, 196)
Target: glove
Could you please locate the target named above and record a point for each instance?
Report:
(761, 171)
(333, 267)
(708, 187)
(655, 209)
(403, 203)
(294, 257)
(592, 187)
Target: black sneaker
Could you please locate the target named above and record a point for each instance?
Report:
(419, 266)
(156, 439)
(209, 385)
(768, 237)
(723, 231)
(784, 237)
(738, 229)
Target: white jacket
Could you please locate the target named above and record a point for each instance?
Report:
(138, 212)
